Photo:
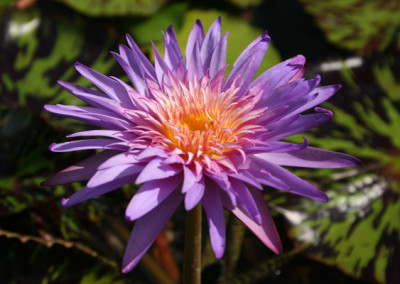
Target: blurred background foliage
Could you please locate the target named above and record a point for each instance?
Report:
(353, 238)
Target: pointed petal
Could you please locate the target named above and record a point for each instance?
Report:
(125, 177)
(195, 66)
(215, 216)
(298, 124)
(318, 96)
(246, 200)
(119, 159)
(194, 195)
(109, 86)
(210, 42)
(146, 230)
(108, 175)
(156, 170)
(278, 75)
(265, 231)
(190, 178)
(124, 136)
(247, 178)
(196, 36)
(144, 61)
(248, 62)
(134, 73)
(292, 182)
(87, 144)
(311, 158)
(172, 52)
(218, 58)
(99, 117)
(161, 67)
(80, 171)
(149, 196)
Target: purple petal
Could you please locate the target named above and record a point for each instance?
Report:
(278, 147)
(144, 62)
(79, 171)
(119, 159)
(172, 52)
(125, 59)
(99, 117)
(265, 231)
(108, 175)
(161, 67)
(112, 88)
(196, 36)
(215, 216)
(87, 144)
(247, 178)
(281, 95)
(248, 62)
(300, 124)
(146, 230)
(218, 58)
(246, 200)
(93, 98)
(195, 66)
(319, 95)
(151, 152)
(125, 177)
(223, 182)
(149, 196)
(156, 170)
(311, 158)
(278, 75)
(210, 42)
(292, 183)
(194, 195)
(190, 178)
(123, 136)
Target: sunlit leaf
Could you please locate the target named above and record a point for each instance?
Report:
(149, 29)
(246, 3)
(115, 7)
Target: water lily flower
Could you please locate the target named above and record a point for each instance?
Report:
(188, 132)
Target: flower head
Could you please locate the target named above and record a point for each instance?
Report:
(188, 132)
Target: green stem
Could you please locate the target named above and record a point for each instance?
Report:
(192, 258)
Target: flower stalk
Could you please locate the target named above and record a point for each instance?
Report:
(192, 257)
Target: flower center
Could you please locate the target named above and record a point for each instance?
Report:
(199, 118)
(194, 122)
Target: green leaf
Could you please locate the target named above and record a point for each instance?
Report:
(5, 3)
(355, 231)
(42, 49)
(149, 29)
(246, 3)
(363, 26)
(115, 7)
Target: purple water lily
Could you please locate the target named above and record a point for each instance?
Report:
(188, 132)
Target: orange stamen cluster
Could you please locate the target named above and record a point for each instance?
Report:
(199, 119)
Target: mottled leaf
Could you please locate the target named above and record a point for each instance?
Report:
(357, 230)
(363, 26)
